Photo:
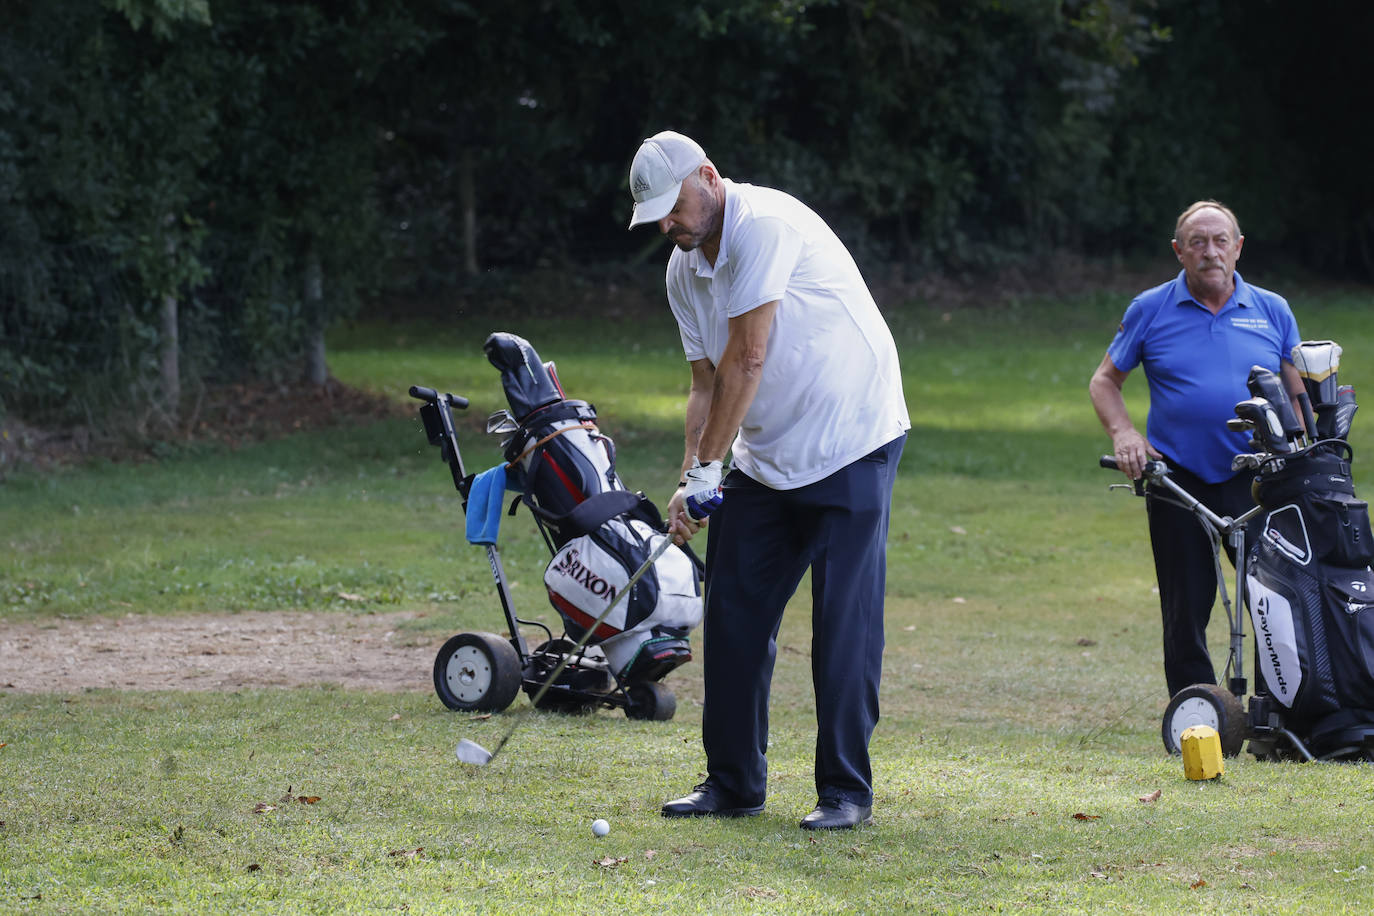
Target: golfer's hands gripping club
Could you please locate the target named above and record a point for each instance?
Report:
(700, 484)
(703, 494)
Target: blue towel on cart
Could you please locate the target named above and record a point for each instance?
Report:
(485, 499)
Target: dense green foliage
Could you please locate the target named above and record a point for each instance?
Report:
(220, 180)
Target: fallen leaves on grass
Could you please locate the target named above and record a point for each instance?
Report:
(610, 861)
(648, 853)
(1197, 884)
(406, 855)
(349, 596)
(1152, 797)
(1099, 875)
(1080, 816)
(253, 866)
(1085, 641)
(287, 797)
(263, 808)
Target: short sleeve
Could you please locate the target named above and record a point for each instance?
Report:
(1125, 348)
(1291, 336)
(763, 257)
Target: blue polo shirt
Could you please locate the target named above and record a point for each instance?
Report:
(1197, 363)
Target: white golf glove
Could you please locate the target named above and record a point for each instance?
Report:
(703, 494)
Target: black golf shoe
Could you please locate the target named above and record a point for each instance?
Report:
(710, 800)
(837, 814)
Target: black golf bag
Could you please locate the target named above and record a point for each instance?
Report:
(1311, 598)
(599, 532)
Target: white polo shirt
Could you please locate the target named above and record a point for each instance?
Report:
(831, 389)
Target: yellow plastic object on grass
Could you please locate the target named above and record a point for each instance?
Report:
(1201, 747)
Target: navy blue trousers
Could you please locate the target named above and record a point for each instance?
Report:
(1186, 574)
(762, 542)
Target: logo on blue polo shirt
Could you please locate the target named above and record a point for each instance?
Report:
(1253, 324)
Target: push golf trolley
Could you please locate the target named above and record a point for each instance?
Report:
(1301, 557)
(628, 598)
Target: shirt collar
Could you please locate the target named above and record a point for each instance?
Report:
(1240, 296)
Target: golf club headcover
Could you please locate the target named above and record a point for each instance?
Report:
(1318, 362)
(703, 494)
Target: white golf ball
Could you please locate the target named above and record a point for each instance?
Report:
(600, 827)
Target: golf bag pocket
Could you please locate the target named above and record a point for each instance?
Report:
(1349, 598)
(588, 572)
(1331, 529)
(1341, 535)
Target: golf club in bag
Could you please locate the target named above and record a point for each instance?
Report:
(626, 596)
(1301, 556)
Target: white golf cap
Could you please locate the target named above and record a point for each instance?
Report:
(656, 175)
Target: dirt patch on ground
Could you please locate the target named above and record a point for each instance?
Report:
(213, 652)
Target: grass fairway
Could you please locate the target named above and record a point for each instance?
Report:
(1021, 696)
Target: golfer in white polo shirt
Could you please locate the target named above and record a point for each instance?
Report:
(795, 375)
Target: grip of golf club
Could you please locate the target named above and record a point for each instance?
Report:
(1309, 418)
(457, 400)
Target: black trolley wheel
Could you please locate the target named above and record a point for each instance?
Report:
(477, 672)
(650, 700)
(1205, 704)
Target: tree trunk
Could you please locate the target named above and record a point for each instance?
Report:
(316, 371)
(169, 347)
(169, 363)
(467, 195)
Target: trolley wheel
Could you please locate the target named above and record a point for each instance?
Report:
(1205, 704)
(650, 700)
(480, 672)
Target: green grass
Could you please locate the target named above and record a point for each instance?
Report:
(1022, 678)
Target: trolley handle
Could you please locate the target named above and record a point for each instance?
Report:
(421, 393)
(1155, 470)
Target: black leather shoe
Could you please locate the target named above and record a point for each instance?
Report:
(837, 814)
(709, 800)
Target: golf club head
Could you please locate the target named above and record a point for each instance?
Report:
(472, 752)
(1269, 432)
(1264, 384)
(501, 423)
(1317, 361)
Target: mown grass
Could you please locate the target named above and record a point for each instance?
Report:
(1022, 682)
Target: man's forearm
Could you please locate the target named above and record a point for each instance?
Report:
(698, 410)
(1110, 405)
(734, 392)
(736, 381)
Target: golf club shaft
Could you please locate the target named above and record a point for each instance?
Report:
(568, 656)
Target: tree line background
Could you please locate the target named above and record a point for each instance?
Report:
(191, 191)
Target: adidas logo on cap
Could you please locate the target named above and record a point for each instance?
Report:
(656, 174)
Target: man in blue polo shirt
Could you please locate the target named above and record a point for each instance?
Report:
(1197, 338)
